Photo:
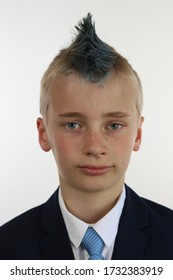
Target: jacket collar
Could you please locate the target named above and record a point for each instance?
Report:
(131, 238)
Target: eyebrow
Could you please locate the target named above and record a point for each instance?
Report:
(117, 114)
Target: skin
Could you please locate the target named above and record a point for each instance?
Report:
(92, 131)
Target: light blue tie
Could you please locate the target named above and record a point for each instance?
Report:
(93, 243)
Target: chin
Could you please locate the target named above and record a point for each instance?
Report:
(94, 187)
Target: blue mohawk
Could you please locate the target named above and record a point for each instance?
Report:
(89, 55)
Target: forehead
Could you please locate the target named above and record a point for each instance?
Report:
(72, 92)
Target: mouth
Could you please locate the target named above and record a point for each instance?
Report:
(95, 170)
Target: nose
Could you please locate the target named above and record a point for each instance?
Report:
(94, 144)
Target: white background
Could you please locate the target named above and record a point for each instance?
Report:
(31, 34)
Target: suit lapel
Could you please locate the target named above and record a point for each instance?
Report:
(55, 243)
(131, 238)
(56, 246)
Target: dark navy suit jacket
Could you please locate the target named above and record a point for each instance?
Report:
(145, 232)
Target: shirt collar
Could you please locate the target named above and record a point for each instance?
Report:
(77, 228)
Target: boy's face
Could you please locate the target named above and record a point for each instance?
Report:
(92, 131)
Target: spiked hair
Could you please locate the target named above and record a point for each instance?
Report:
(89, 57)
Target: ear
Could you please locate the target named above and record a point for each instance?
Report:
(42, 135)
(138, 136)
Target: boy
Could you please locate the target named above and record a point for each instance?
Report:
(91, 103)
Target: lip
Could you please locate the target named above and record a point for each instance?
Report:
(95, 170)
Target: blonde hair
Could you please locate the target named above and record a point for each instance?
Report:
(89, 57)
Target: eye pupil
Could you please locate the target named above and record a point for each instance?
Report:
(72, 125)
(115, 126)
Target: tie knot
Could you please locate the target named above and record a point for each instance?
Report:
(93, 243)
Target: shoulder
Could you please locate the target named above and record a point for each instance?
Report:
(26, 222)
(157, 208)
(30, 222)
(157, 213)
(20, 238)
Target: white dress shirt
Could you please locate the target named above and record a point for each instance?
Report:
(106, 227)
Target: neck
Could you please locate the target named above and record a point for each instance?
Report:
(90, 206)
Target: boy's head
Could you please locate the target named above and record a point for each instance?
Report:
(90, 58)
(91, 104)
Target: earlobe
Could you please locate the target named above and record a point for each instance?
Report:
(138, 136)
(42, 135)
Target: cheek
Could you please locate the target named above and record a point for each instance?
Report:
(122, 150)
(63, 151)
(124, 145)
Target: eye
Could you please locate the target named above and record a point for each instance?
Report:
(114, 126)
(72, 125)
